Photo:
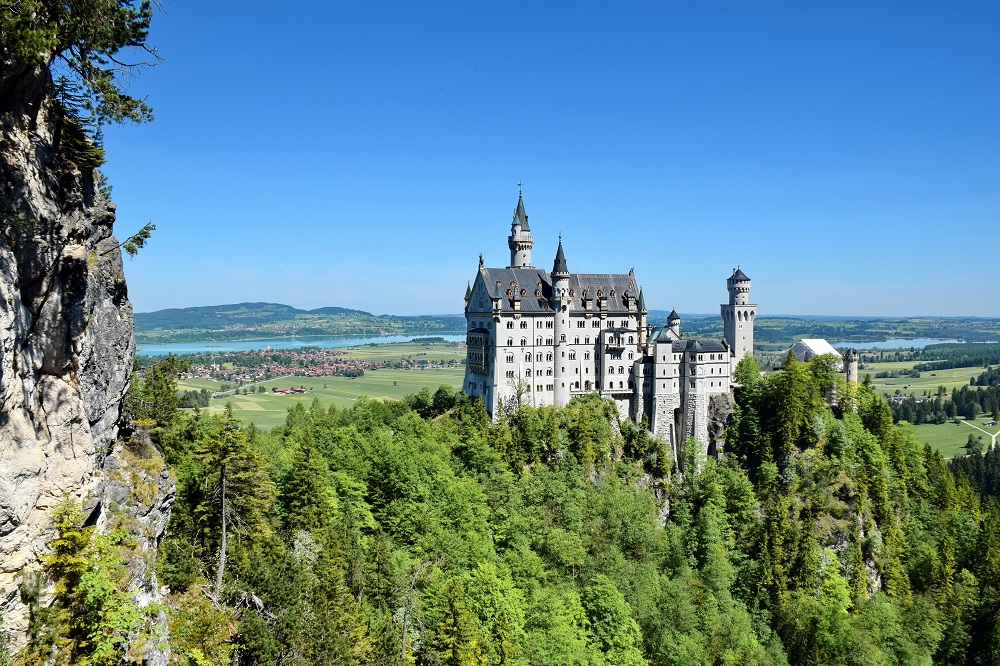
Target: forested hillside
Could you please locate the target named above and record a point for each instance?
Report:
(419, 532)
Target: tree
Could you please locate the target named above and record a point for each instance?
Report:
(88, 38)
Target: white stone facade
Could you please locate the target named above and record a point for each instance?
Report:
(542, 338)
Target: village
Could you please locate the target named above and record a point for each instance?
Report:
(236, 369)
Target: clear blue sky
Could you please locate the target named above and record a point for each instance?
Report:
(846, 155)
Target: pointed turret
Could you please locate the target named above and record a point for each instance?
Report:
(559, 267)
(641, 306)
(674, 323)
(468, 294)
(520, 217)
(520, 241)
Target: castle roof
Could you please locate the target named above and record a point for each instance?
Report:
(559, 267)
(520, 217)
(529, 278)
(698, 346)
(641, 306)
(673, 316)
(738, 275)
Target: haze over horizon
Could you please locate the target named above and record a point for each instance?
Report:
(846, 157)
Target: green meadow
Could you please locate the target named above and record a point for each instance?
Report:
(266, 410)
(929, 381)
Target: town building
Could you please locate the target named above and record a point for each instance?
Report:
(540, 338)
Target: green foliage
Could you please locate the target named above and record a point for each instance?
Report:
(419, 532)
(91, 614)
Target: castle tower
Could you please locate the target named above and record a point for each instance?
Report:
(738, 316)
(851, 365)
(560, 303)
(520, 240)
(674, 324)
(643, 312)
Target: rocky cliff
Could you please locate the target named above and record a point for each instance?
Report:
(66, 349)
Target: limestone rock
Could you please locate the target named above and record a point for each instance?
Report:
(66, 348)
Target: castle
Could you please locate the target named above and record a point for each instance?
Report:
(540, 337)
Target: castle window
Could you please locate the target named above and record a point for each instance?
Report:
(586, 356)
(524, 324)
(538, 372)
(572, 356)
(548, 387)
(577, 385)
(692, 384)
(630, 356)
(581, 324)
(527, 373)
(548, 341)
(611, 385)
(510, 358)
(538, 357)
(510, 324)
(548, 373)
(548, 324)
(586, 385)
(562, 337)
(611, 370)
(548, 357)
(621, 384)
(630, 339)
(595, 324)
(621, 370)
(510, 342)
(576, 340)
(612, 293)
(524, 341)
(527, 357)
(600, 294)
(510, 374)
(539, 388)
(539, 341)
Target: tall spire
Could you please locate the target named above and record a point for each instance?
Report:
(520, 217)
(520, 241)
(559, 268)
(641, 305)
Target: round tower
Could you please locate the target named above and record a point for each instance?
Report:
(674, 324)
(851, 365)
(560, 303)
(738, 316)
(520, 241)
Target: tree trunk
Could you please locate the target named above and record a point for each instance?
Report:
(222, 550)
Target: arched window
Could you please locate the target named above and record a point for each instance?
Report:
(510, 358)
(611, 370)
(538, 341)
(621, 384)
(611, 385)
(576, 341)
(510, 342)
(527, 357)
(572, 356)
(548, 357)
(621, 370)
(586, 385)
(524, 324)
(527, 373)
(586, 356)
(538, 357)
(630, 339)
(524, 341)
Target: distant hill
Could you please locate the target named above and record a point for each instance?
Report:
(248, 321)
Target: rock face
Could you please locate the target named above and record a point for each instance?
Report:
(66, 344)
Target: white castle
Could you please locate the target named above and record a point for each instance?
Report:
(542, 337)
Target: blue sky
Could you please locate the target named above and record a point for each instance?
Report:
(845, 155)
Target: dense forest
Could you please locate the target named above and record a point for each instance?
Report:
(420, 532)
(981, 396)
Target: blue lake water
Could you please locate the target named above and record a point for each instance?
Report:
(324, 342)
(902, 343)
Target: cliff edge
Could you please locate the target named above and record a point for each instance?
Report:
(66, 349)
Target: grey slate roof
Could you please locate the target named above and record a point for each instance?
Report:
(738, 275)
(660, 335)
(528, 278)
(520, 217)
(673, 316)
(559, 266)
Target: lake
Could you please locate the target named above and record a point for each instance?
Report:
(902, 343)
(324, 342)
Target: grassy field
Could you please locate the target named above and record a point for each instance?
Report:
(267, 410)
(929, 381)
(950, 438)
